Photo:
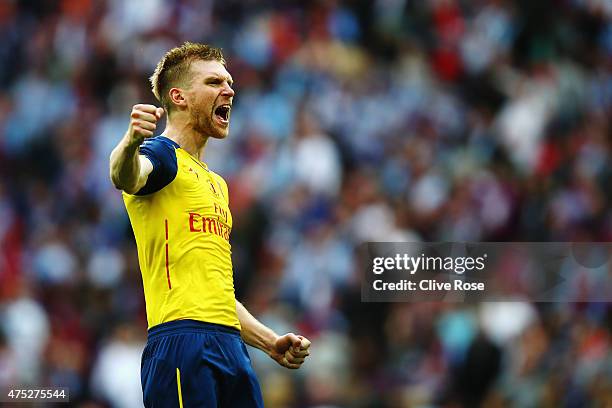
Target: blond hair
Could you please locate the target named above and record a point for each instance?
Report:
(173, 69)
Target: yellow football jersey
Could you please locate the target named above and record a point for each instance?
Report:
(182, 224)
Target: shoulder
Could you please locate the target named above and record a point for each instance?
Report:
(159, 145)
(218, 177)
(161, 151)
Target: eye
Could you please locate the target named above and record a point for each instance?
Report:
(218, 81)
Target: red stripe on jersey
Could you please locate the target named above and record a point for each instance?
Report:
(167, 267)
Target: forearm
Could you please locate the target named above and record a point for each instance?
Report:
(254, 333)
(125, 165)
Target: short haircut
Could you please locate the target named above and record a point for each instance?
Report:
(173, 69)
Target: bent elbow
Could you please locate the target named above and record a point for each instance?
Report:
(116, 181)
(120, 185)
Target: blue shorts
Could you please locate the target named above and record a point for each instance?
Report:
(188, 363)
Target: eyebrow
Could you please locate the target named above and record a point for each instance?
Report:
(230, 80)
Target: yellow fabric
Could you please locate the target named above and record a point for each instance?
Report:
(178, 385)
(182, 233)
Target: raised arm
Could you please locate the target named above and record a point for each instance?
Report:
(128, 169)
(288, 350)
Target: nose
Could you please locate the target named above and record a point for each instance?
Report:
(228, 91)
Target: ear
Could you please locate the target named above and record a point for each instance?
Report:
(177, 97)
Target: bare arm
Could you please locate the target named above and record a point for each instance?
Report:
(288, 350)
(128, 169)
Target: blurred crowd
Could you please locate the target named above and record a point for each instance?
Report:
(353, 121)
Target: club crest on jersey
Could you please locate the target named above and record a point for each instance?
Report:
(213, 189)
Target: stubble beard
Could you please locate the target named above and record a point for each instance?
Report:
(205, 126)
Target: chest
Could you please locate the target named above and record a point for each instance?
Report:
(201, 192)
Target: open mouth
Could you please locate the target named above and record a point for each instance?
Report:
(222, 113)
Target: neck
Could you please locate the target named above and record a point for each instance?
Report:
(190, 140)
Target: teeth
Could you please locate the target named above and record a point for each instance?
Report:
(226, 111)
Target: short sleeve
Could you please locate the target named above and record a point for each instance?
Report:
(161, 152)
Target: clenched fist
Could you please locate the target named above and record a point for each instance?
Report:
(290, 350)
(143, 121)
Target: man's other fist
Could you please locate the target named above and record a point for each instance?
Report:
(291, 350)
